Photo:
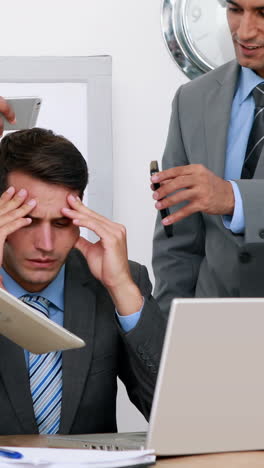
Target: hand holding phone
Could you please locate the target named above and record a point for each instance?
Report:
(154, 168)
(6, 112)
(26, 111)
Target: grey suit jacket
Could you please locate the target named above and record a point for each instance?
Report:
(203, 258)
(90, 373)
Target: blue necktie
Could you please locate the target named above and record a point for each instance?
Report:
(45, 376)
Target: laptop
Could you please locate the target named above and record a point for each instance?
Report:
(209, 395)
(30, 329)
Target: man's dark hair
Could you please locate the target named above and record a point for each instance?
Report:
(42, 154)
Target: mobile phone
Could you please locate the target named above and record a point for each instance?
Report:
(154, 168)
(26, 109)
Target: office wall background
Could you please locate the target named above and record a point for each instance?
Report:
(145, 79)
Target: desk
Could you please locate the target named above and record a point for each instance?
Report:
(221, 460)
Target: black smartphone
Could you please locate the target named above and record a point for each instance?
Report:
(154, 168)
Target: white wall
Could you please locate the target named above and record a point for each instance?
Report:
(145, 79)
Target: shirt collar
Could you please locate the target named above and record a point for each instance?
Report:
(248, 80)
(54, 292)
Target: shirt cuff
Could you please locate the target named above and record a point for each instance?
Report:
(128, 322)
(236, 223)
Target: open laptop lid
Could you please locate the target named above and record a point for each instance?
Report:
(30, 329)
(209, 395)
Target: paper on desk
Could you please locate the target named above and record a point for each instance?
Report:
(75, 458)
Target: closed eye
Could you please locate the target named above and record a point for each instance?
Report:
(233, 9)
(62, 222)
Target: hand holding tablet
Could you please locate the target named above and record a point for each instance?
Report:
(30, 329)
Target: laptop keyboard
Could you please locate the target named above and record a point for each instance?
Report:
(111, 441)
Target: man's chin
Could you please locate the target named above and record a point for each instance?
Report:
(37, 281)
(253, 63)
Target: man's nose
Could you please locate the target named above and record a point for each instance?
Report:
(247, 27)
(44, 238)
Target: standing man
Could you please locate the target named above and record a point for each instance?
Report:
(91, 289)
(213, 177)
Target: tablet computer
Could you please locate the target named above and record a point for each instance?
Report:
(30, 329)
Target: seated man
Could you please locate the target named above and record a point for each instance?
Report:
(91, 289)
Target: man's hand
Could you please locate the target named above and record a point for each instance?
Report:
(13, 209)
(198, 186)
(9, 114)
(107, 258)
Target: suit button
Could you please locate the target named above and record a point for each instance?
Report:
(244, 257)
(261, 233)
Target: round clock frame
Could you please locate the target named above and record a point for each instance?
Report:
(196, 34)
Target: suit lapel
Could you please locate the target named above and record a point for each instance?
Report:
(79, 318)
(15, 379)
(217, 114)
(217, 123)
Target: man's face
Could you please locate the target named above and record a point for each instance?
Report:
(246, 23)
(34, 254)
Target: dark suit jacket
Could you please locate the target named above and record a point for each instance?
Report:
(89, 373)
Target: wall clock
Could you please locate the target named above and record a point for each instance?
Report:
(196, 34)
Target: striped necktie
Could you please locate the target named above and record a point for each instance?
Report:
(256, 136)
(45, 376)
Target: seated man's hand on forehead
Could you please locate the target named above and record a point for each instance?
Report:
(14, 208)
(107, 258)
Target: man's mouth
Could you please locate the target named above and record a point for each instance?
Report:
(249, 50)
(252, 47)
(248, 46)
(41, 261)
